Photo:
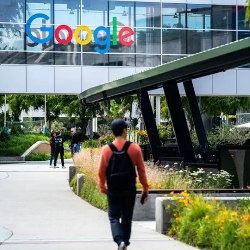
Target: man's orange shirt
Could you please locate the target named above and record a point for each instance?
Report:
(134, 152)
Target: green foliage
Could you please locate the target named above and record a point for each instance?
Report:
(209, 224)
(164, 132)
(90, 192)
(106, 139)
(37, 157)
(16, 130)
(226, 134)
(4, 136)
(17, 145)
(89, 144)
(248, 11)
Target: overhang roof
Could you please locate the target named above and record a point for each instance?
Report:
(201, 64)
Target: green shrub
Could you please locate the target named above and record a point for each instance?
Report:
(37, 157)
(106, 139)
(209, 224)
(17, 145)
(4, 136)
(90, 192)
(89, 144)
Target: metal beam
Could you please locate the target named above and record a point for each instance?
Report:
(148, 117)
(195, 111)
(179, 121)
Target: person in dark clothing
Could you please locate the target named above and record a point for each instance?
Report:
(52, 147)
(59, 140)
(75, 142)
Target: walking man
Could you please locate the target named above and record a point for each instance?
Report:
(59, 140)
(75, 142)
(117, 179)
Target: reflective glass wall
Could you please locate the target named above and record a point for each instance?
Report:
(163, 31)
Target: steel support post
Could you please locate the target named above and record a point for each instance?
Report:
(195, 111)
(149, 120)
(179, 121)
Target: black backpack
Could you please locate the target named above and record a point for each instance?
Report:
(120, 171)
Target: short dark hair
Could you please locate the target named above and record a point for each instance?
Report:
(58, 133)
(117, 126)
(52, 134)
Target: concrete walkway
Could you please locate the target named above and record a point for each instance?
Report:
(38, 211)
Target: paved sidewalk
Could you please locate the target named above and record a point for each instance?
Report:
(38, 211)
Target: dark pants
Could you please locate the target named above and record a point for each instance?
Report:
(121, 206)
(57, 151)
(51, 159)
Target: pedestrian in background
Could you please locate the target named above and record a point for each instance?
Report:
(117, 179)
(75, 142)
(59, 149)
(52, 147)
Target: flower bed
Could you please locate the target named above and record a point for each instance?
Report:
(210, 224)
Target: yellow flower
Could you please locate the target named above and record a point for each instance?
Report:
(181, 200)
(213, 200)
(223, 220)
(209, 207)
(222, 228)
(206, 217)
(175, 197)
(248, 187)
(159, 185)
(232, 220)
(249, 208)
(234, 214)
(184, 194)
(177, 228)
(245, 217)
(172, 192)
(168, 206)
(174, 215)
(191, 201)
(165, 195)
(179, 218)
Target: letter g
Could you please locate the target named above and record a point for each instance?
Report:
(28, 30)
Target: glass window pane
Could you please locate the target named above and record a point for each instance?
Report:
(37, 33)
(147, 60)
(167, 59)
(199, 16)
(72, 46)
(120, 47)
(8, 57)
(12, 11)
(198, 41)
(44, 58)
(67, 59)
(123, 10)
(148, 41)
(11, 37)
(174, 15)
(67, 12)
(39, 6)
(95, 12)
(148, 14)
(121, 60)
(241, 19)
(224, 17)
(95, 59)
(243, 34)
(173, 41)
(223, 37)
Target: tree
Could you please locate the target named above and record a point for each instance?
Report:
(248, 10)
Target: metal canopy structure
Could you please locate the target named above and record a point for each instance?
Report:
(167, 76)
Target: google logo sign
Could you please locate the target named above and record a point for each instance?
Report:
(123, 34)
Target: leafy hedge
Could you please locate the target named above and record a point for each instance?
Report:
(17, 145)
(44, 156)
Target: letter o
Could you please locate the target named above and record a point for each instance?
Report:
(63, 27)
(85, 42)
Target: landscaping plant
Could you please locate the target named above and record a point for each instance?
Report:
(209, 224)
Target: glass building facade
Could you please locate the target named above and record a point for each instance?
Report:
(163, 30)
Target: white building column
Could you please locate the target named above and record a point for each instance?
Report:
(158, 110)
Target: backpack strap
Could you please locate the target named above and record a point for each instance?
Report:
(113, 147)
(126, 146)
